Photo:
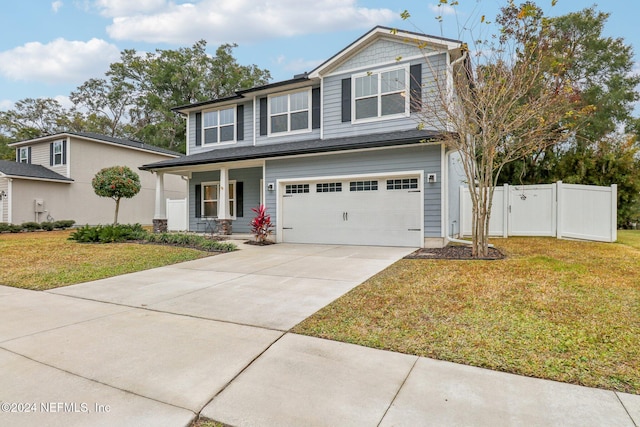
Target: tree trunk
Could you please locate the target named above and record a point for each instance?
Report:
(115, 219)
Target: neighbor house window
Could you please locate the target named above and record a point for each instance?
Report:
(290, 112)
(381, 94)
(211, 195)
(23, 155)
(219, 126)
(58, 158)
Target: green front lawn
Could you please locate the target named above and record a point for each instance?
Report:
(46, 260)
(556, 309)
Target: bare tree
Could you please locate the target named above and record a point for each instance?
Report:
(504, 100)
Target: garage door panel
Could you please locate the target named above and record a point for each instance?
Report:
(372, 215)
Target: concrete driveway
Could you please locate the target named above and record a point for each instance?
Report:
(154, 347)
(158, 347)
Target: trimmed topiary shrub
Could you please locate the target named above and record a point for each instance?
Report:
(30, 226)
(64, 223)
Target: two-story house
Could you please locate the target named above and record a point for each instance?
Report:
(336, 155)
(51, 179)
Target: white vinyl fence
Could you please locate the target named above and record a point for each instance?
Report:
(560, 210)
(177, 214)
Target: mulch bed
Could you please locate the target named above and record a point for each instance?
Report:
(256, 243)
(452, 252)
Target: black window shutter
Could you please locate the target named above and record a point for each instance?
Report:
(198, 200)
(239, 199)
(240, 123)
(51, 154)
(64, 153)
(346, 100)
(29, 155)
(198, 129)
(263, 116)
(315, 108)
(416, 87)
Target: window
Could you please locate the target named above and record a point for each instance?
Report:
(329, 187)
(219, 126)
(381, 94)
(296, 188)
(23, 155)
(211, 195)
(363, 185)
(290, 112)
(402, 184)
(58, 153)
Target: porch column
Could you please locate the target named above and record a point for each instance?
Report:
(224, 219)
(160, 215)
(223, 198)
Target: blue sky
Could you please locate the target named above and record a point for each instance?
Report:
(49, 47)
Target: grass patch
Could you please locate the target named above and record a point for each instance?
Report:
(556, 309)
(47, 260)
(629, 238)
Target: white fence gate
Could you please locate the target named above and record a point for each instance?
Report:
(584, 212)
(177, 215)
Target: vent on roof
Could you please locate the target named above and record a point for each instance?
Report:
(301, 76)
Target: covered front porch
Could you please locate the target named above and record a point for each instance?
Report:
(220, 196)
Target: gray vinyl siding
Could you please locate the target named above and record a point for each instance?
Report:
(382, 51)
(423, 157)
(250, 177)
(332, 102)
(4, 213)
(248, 132)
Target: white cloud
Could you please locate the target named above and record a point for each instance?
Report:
(5, 104)
(60, 61)
(117, 8)
(442, 9)
(242, 21)
(56, 5)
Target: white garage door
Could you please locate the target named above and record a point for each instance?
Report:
(363, 211)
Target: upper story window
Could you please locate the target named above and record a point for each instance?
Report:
(290, 112)
(58, 155)
(23, 155)
(219, 126)
(381, 94)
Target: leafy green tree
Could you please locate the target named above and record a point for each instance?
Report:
(599, 153)
(6, 152)
(32, 118)
(116, 182)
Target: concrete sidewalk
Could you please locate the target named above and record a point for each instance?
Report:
(209, 336)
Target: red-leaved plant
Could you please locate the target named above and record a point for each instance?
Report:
(261, 225)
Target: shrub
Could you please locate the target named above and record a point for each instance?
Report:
(108, 233)
(4, 227)
(64, 223)
(15, 228)
(47, 226)
(261, 225)
(30, 226)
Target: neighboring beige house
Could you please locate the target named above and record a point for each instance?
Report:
(51, 179)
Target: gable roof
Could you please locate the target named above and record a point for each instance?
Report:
(28, 171)
(315, 146)
(129, 143)
(344, 54)
(379, 32)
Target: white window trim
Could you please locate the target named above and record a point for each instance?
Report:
(235, 126)
(217, 199)
(407, 88)
(61, 145)
(24, 150)
(309, 111)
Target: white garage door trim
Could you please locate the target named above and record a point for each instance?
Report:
(281, 183)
